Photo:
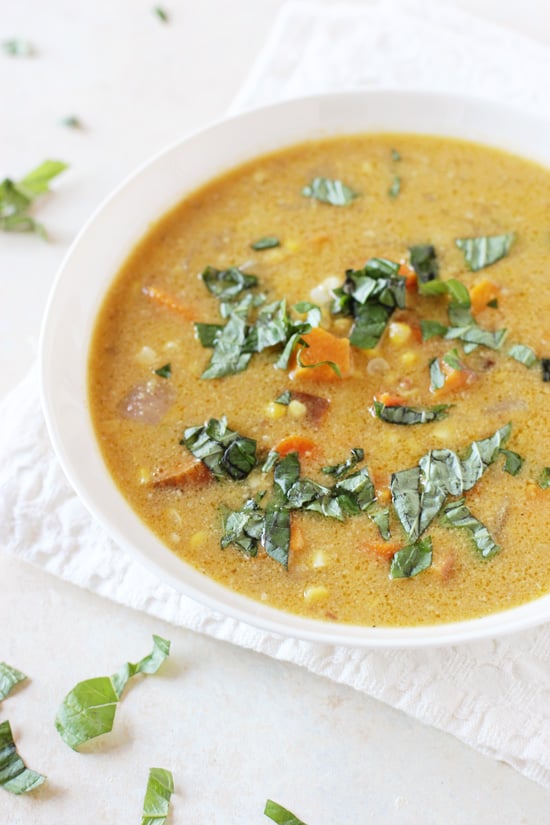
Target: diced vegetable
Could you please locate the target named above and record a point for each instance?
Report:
(482, 293)
(300, 444)
(168, 301)
(182, 472)
(314, 361)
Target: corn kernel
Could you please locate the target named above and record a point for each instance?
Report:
(198, 539)
(175, 538)
(296, 409)
(144, 475)
(170, 346)
(315, 593)
(292, 245)
(260, 176)
(146, 356)
(274, 411)
(409, 359)
(319, 559)
(399, 333)
(366, 167)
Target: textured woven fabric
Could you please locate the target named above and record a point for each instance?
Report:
(492, 694)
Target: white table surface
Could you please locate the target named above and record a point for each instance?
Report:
(234, 727)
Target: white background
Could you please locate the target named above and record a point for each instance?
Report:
(233, 726)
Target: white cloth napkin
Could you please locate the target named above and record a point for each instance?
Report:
(492, 694)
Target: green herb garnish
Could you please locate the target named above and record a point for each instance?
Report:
(410, 415)
(525, 355)
(395, 156)
(544, 479)
(485, 250)
(71, 122)
(340, 470)
(545, 366)
(395, 187)
(423, 258)
(330, 191)
(15, 777)
(269, 242)
(161, 14)
(160, 787)
(280, 815)
(9, 678)
(452, 359)
(513, 462)
(244, 527)
(165, 371)
(17, 47)
(437, 376)
(88, 710)
(16, 197)
(493, 303)
(370, 296)
(284, 399)
(226, 453)
(412, 559)
(432, 329)
(227, 284)
(382, 520)
(463, 325)
(457, 514)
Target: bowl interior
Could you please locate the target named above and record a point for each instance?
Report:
(108, 237)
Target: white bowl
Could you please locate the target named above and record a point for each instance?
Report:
(105, 242)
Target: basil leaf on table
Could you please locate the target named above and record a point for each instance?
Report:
(333, 192)
(9, 678)
(16, 197)
(15, 777)
(280, 815)
(156, 805)
(88, 710)
(485, 250)
(412, 560)
(457, 514)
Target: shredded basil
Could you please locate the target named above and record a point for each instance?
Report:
(226, 453)
(17, 47)
(15, 777)
(269, 242)
(244, 527)
(544, 479)
(513, 462)
(432, 329)
(156, 805)
(229, 356)
(285, 398)
(423, 258)
(227, 284)
(457, 514)
(16, 198)
(382, 520)
(485, 250)
(545, 366)
(88, 710)
(395, 156)
(276, 534)
(330, 191)
(9, 678)
(161, 14)
(165, 371)
(208, 333)
(71, 122)
(525, 355)
(410, 415)
(370, 296)
(395, 187)
(493, 303)
(270, 461)
(463, 325)
(412, 559)
(280, 815)
(452, 359)
(340, 470)
(437, 376)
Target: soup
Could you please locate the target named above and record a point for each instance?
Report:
(322, 380)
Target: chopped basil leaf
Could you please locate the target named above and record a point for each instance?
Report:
(370, 295)
(432, 329)
(165, 371)
(452, 360)
(287, 473)
(285, 398)
(16, 198)
(17, 47)
(243, 527)
(280, 815)
(412, 559)
(525, 355)
(9, 678)
(544, 479)
(395, 155)
(493, 303)
(339, 470)
(437, 376)
(395, 187)
(545, 365)
(513, 462)
(458, 515)
(160, 787)
(269, 242)
(485, 250)
(382, 520)
(15, 777)
(423, 260)
(208, 333)
(71, 122)
(329, 191)
(161, 14)
(270, 461)
(276, 533)
(227, 284)
(419, 493)
(226, 453)
(410, 415)
(88, 710)
(228, 357)
(475, 335)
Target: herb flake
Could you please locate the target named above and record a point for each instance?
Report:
(333, 192)
(226, 453)
(525, 355)
(269, 242)
(423, 259)
(412, 559)
(456, 514)
(395, 187)
(156, 805)
(164, 371)
(410, 415)
(17, 197)
(280, 815)
(15, 777)
(485, 250)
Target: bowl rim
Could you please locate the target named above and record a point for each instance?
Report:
(213, 595)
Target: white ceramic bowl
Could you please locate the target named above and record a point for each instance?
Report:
(110, 234)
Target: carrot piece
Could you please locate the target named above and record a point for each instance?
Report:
(383, 549)
(300, 444)
(391, 400)
(322, 346)
(409, 274)
(165, 299)
(481, 293)
(455, 379)
(182, 473)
